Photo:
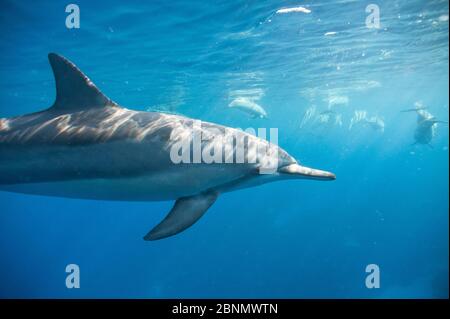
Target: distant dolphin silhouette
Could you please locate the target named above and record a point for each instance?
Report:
(87, 146)
(248, 106)
(426, 126)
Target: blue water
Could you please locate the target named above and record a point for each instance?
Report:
(291, 239)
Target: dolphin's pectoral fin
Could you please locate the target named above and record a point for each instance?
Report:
(74, 90)
(185, 212)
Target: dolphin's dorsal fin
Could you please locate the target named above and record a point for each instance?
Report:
(74, 90)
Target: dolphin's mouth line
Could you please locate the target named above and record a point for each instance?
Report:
(296, 170)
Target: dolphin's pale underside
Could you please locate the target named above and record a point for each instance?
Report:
(87, 146)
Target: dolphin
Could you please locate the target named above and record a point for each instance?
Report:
(87, 146)
(362, 119)
(426, 125)
(248, 106)
(328, 119)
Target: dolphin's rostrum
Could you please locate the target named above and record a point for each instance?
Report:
(87, 146)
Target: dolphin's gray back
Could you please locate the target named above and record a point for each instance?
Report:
(110, 142)
(95, 143)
